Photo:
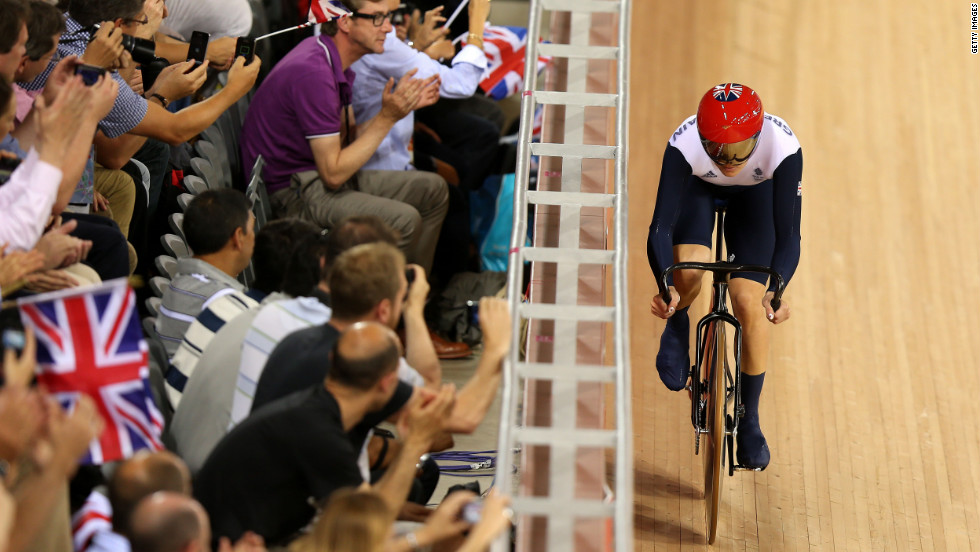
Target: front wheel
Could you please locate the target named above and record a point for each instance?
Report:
(713, 368)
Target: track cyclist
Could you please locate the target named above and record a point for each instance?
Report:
(733, 152)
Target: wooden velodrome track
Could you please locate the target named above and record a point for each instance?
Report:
(872, 403)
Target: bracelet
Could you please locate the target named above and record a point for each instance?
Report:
(473, 36)
(413, 541)
(163, 101)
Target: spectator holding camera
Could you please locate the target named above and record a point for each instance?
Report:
(313, 426)
(141, 116)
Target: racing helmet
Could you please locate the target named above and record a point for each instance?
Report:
(730, 120)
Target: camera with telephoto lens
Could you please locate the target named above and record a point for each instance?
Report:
(143, 52)
(402, 14)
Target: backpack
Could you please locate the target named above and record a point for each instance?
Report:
(458, 320)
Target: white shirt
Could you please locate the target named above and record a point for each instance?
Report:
(373, 72)
(271, 325)
(26, 200)
(219, 18)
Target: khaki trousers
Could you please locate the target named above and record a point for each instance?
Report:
(413, 203)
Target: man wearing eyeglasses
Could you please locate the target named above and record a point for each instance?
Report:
(302, 123)
(735, 153)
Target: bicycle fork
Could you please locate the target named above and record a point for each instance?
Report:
(734, 410)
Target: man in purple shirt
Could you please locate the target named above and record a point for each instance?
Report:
(302, 124)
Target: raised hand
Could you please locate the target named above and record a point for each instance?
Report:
(63, 72)
(430, 93)
(425, 33)
(396, 104)
(445, 522)
(221, 53)
(478, 11)
(418, 290)
(69, 436)
(106, 46)
(155, 11)
(104, 95)
(426, 416)
(179, 80)
(241, 77)
(249, 542)
(496, 325)
(495, 517)
(21, 420)
(18, 370)
(58, 122)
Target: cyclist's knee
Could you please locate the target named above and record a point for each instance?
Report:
(688, 282)
(747, 304)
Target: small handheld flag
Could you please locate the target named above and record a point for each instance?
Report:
(321, 11)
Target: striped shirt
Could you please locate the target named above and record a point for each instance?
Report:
(196, 286)
(130, 107)
(274, 322)
(199, 335)
(202, 419)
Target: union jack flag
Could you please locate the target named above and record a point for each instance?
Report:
(89, 341)
(727, 92)
(326, 10)
(505, 48)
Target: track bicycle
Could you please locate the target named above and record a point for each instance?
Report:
(716, 405)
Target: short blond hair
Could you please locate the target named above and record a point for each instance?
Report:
(353, 521)
(362, 277)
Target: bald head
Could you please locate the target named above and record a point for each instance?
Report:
(365, 352)
(142, 475)
(169, 522)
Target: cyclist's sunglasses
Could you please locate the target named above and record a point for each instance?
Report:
(731, 154)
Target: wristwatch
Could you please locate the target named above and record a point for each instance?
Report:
(163, 101)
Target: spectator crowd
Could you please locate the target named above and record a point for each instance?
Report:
(285, 214)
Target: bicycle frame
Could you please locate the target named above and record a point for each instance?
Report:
(719, 313)
(716, 402)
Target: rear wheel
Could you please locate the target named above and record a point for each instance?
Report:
(713, 368)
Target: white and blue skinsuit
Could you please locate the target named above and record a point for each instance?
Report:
(762, 223)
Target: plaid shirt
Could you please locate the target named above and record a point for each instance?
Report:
(130, 107)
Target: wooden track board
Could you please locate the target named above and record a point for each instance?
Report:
(872, 403)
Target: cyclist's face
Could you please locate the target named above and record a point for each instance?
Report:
(730, 158)
(730, 170)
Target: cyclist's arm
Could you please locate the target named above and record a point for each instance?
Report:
(670, 194)
(786, 206)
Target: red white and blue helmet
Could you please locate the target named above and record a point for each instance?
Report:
(730, 118)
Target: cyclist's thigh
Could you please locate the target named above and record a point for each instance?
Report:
(696, 219)
(750, 233)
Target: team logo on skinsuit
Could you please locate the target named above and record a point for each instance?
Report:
(757, 175)
(709, 174)
(727, 92)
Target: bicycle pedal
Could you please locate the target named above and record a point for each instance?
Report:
(739, 467)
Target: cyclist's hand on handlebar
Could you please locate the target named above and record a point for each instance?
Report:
(776, 317)
(661, 309)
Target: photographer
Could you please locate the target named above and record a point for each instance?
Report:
(133, 113)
